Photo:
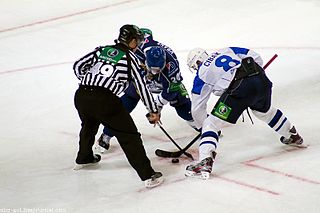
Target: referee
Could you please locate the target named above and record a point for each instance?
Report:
(104, 74)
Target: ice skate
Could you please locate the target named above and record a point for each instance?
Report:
(200, 170)
(294, 140)
(96, 159)
(154, 181)
(103, 144)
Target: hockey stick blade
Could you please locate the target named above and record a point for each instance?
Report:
(176, 154)
(168, 154)
(175, 143)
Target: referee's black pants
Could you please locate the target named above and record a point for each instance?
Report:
(96, 106)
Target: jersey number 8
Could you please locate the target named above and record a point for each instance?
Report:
(226, 62)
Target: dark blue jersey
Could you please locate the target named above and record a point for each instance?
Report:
(171, 72)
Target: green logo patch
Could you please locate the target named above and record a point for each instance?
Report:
(111, 54)
(222, 111)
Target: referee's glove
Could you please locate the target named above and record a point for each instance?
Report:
(153, 118)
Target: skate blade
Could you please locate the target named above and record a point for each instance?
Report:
(98, 149)
(202, 175)
(154, 183)
(301, 146)
(81, 166)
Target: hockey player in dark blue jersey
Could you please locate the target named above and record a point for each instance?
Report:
(164, 80)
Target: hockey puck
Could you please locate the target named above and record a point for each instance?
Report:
(175, 160)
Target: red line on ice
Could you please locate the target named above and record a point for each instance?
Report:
(33, 68)
(253, 163)
(65, 16)
(247, 185)
(282, 173)
(257, 188)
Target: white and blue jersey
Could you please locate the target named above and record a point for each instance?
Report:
(219, 69)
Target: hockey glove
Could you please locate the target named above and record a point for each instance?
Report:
(160, 101)
(178, 87)
(153, 118)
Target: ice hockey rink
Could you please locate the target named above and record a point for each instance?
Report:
(253, 172)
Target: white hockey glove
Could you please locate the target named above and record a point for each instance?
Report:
(218, 92)
(160, 101)
(154, 87)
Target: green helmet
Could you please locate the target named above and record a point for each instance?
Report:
(146, 31)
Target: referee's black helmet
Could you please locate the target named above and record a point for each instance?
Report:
(129, 32)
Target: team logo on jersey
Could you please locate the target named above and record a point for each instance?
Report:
(172, 68)
(111, 54)
(222, 111)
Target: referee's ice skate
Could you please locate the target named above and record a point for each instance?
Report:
(155, 180)
(96, 159)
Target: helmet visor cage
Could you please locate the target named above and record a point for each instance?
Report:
(194, 67)
(155, 69)
(195, 58)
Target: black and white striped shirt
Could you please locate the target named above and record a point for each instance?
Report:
(112, 67)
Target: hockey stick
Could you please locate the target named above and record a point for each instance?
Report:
(182, 151)
(270, 61)
(176, 154)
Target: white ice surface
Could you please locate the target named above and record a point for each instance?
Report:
(254, 172)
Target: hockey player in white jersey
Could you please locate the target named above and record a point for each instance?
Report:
(236, 75)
